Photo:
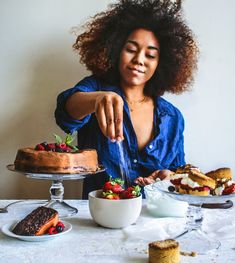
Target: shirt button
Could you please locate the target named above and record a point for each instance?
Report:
(135, 161)
(150, 146)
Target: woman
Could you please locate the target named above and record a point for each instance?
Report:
(136, 51)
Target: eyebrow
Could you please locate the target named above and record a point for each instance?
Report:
(136, 44)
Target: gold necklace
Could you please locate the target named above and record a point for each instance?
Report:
(132, 103)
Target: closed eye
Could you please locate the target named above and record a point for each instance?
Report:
(130, 50)
(151, 56)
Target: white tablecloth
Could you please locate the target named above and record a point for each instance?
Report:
(87, 242)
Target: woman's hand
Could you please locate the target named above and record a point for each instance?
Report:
(109, 113)
(158, 174)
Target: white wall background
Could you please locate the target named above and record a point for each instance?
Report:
(37, 62)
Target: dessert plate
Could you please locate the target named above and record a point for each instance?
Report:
(7, 230)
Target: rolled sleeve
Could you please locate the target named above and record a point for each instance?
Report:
(63, 119)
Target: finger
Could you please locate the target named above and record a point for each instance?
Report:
(109, 114)
(139, 181)
(101, 118)
(165, 174)
(148, 180)
(118, 119)
(154, 174)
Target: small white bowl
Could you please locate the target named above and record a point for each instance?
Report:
(160, 205)
(114, 213)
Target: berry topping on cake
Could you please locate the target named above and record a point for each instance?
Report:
(40, 147)
(59, 145)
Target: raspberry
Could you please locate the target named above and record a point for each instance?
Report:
(39, 147)
(51, 146)
(62, 145)
(52, 231)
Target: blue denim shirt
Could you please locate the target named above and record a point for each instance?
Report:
(164, 151)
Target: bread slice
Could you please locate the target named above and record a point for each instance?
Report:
(164, 251)
(193, 192)
(221, 173)
(202, 179)
(186, 168)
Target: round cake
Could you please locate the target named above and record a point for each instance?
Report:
(40, 161)
(164, 251)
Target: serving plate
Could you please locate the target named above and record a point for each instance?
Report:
(163, 186)
(7, 230)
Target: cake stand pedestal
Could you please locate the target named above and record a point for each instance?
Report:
(57, 189)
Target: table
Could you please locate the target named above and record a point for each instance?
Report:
(87, 242)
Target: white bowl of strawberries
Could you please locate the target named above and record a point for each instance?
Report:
(115, 207)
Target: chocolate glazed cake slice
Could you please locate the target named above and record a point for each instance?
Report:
(37, 222)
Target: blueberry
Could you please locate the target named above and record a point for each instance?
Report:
(171, 188)
(59, 229)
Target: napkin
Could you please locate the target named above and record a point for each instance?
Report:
(219, 223)
(154, 229)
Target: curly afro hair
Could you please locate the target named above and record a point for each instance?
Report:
(99, 46)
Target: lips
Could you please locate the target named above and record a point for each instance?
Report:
(137, 70)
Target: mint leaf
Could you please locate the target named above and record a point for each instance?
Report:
(69, 139)
(74, 147)
(57, 138)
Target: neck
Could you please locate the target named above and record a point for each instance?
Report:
(133, 93)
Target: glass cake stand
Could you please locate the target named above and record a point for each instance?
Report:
(193, 238)
(57, 189)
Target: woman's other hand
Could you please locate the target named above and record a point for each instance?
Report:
(109, 113)
(158, 174)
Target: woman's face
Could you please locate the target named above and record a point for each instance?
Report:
(139, 58)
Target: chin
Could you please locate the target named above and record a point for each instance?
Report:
(134, 82)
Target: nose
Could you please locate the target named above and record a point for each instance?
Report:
(139, 58)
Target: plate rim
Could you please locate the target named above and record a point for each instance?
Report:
(193, 197)
(101, 168)
(6, 230)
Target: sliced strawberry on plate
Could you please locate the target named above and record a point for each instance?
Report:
(229, 190)
(176, 181)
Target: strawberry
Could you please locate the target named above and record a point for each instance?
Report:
(130, 192)
(229, 190)
(114, 185)
(176, 181)
(110, 195)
